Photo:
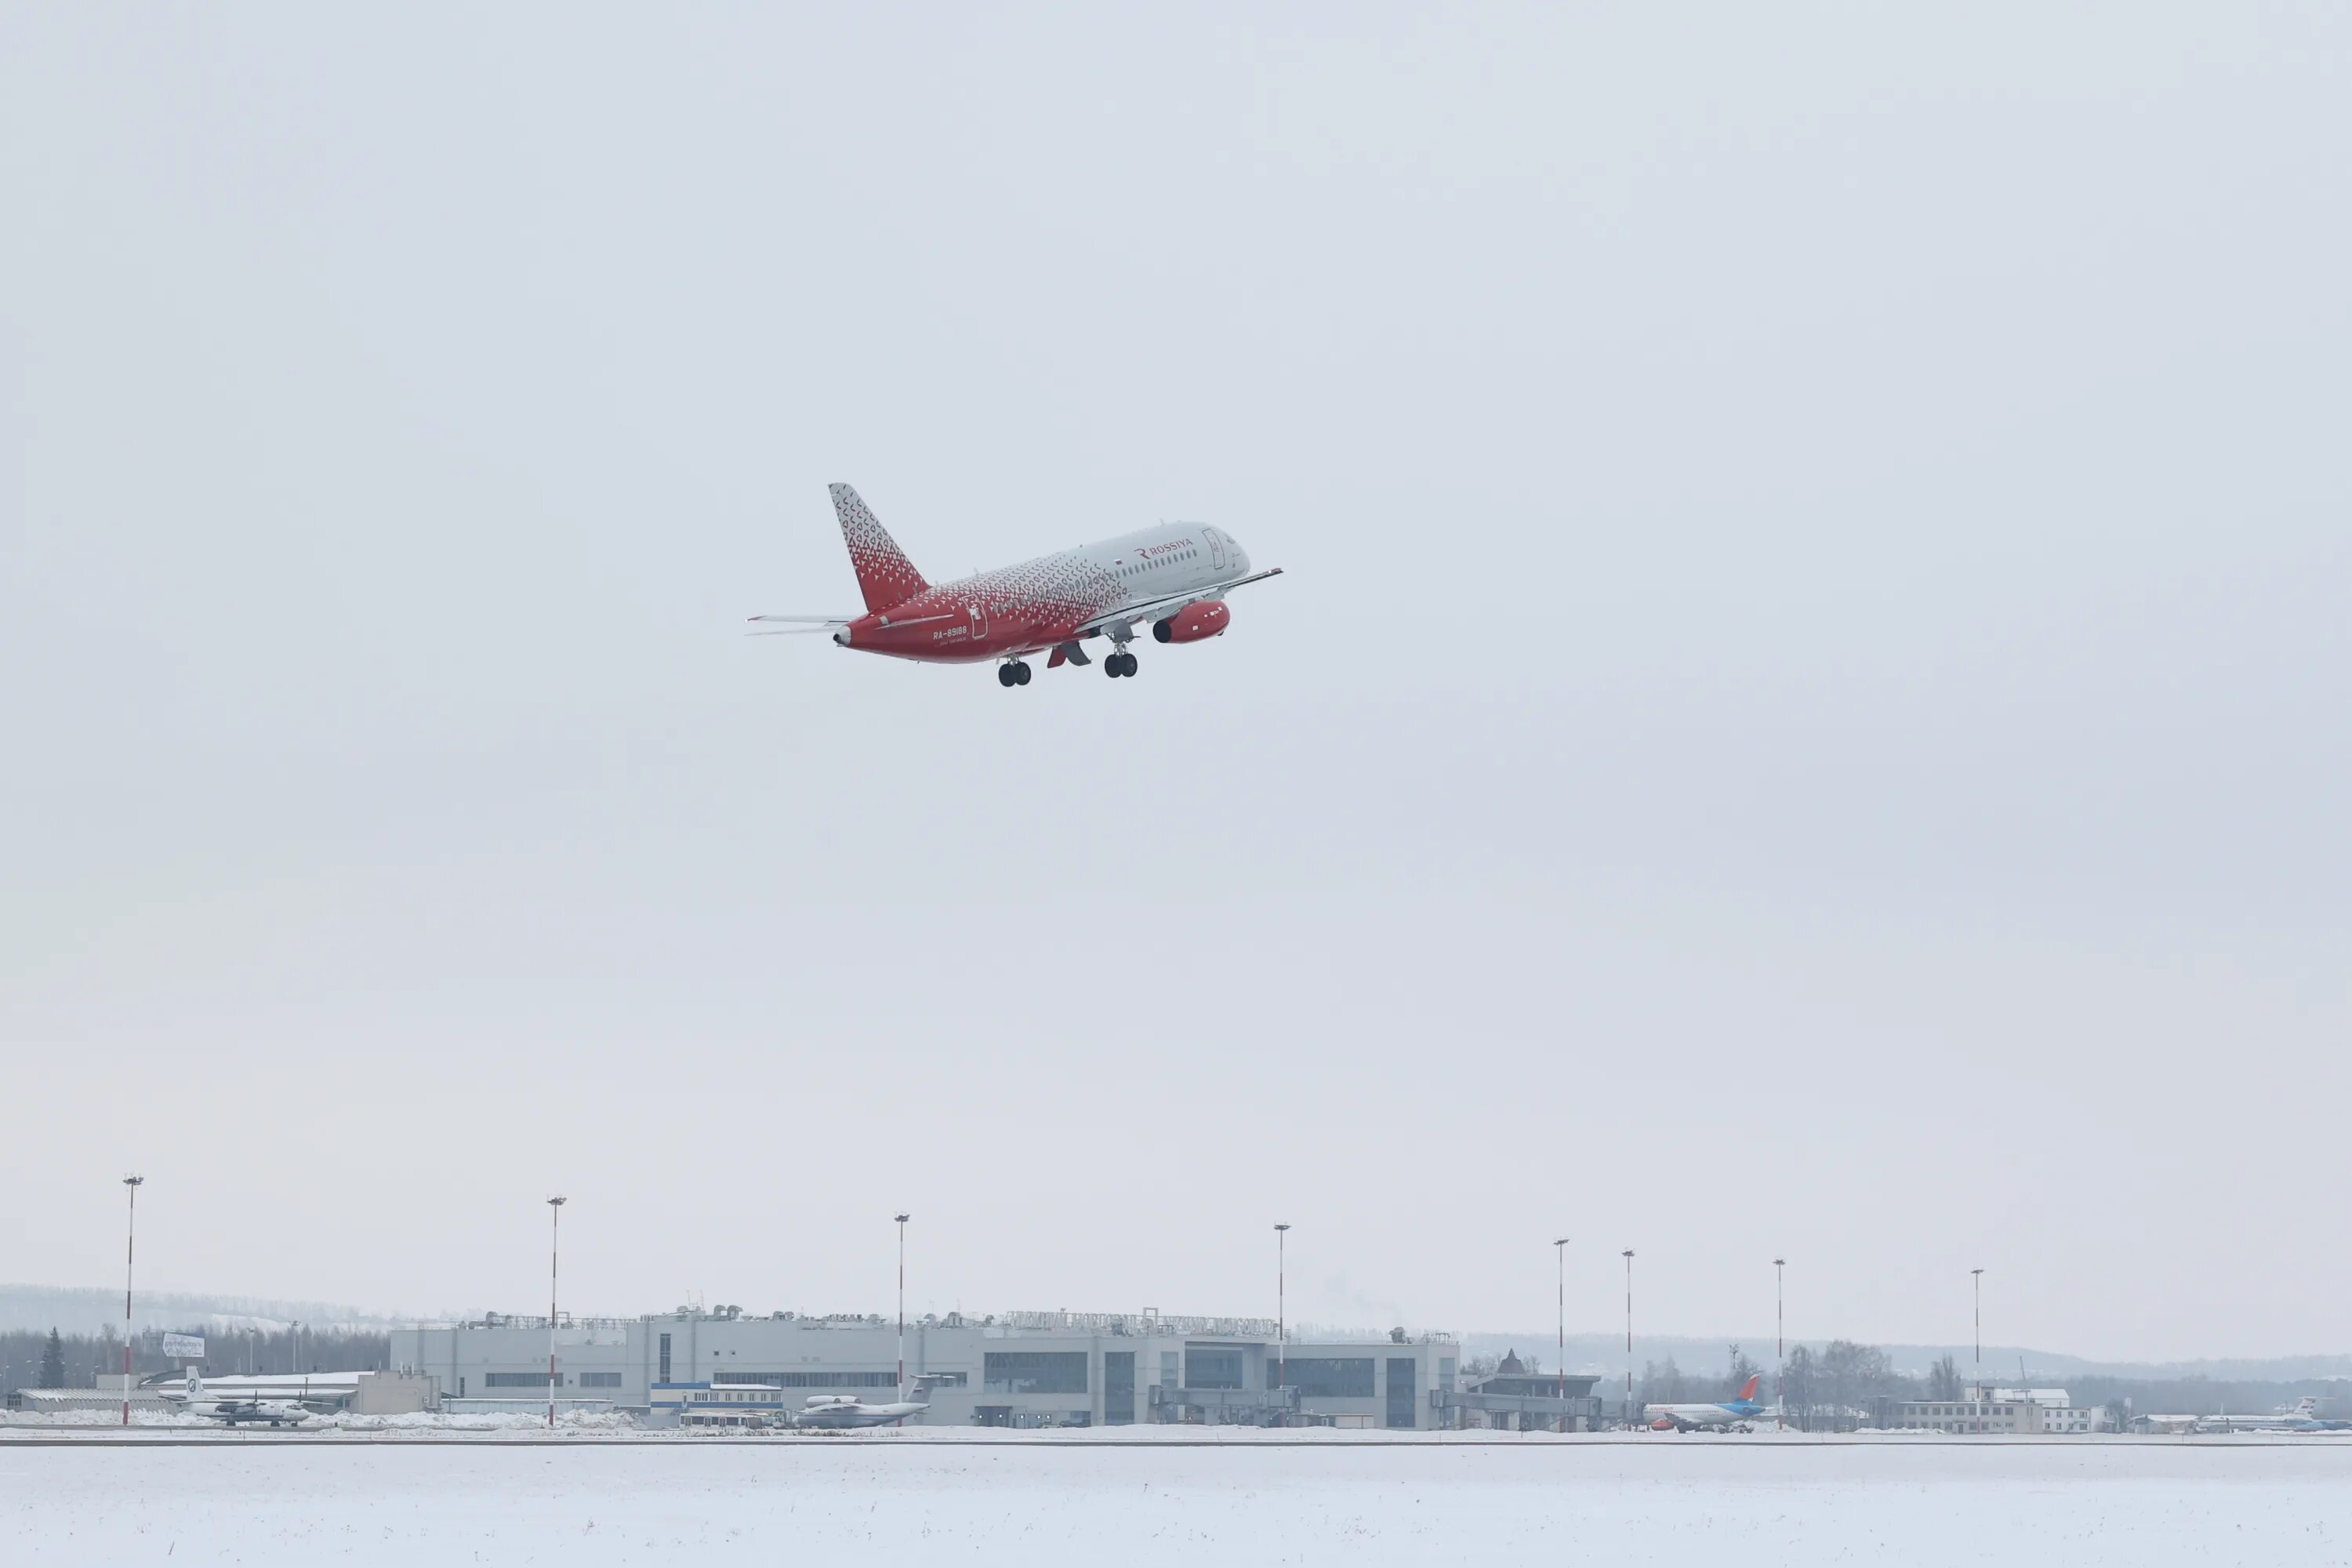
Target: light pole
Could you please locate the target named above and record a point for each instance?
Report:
(1978, 1276)
(554, 1235)
(130, 1241)
(1560, 1373)
(1629, 1337)
(1781, 1343)
(294, 1347)
(1281, 1306)
(902, 1308)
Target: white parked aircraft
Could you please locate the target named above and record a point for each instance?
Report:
(840, 1410)
(278, 1413)
(1731, 1416)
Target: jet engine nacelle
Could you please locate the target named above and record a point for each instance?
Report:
(1194, 622)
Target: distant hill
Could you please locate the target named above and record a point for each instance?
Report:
(87, 1309)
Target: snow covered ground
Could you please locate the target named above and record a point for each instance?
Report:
(591, 1503)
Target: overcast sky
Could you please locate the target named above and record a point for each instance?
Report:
(1807, 714)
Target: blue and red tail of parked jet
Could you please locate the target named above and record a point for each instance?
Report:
(1744, 1404)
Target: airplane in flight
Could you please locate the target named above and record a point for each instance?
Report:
(1173, 579)
(840, 1410)
(278, 1413)
(1732, 1414)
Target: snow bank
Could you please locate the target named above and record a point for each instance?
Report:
(1367, 1505)
(566, 1421)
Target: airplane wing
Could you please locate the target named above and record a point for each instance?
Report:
(1152, 609)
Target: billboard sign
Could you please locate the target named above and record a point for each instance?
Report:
(184, 1347)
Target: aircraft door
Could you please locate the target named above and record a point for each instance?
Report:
(1216, 549)
(976, 615)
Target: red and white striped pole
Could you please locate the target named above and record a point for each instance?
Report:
(902, 1308)
(554, 1237)
(129, 1242)
(1630, 1422)
(1560, 1373)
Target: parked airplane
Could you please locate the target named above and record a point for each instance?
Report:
(278, 1413)
(2302, 1416)
(1173, 579)
(837, 1410)
(1732, 1413)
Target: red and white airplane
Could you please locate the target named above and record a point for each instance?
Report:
(1172, 578)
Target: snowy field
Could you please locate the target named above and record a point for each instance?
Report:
(1052, 1503)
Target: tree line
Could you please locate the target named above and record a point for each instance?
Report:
(30, 1358)
(1847, 1383)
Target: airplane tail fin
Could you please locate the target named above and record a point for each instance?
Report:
(195, 1386)
(1748, 1389)
(885, 575)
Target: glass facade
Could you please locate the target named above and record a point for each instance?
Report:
(1328, 1377)
(818, 1379)
(1035, 1371)
(1213, 1366)
(1118, 1388)
(665, 1359)
(1403, 1402)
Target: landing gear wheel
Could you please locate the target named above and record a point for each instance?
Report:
(1004, 676)
(1020, 673)
(1118, 664)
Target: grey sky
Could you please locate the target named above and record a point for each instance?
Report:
(1807, 714)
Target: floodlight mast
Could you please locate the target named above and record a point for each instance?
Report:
(1560, 1373)
(1629, 1336)
(130, 1240)
(1779, 1343)
(1281, 1306)
(902, 1307)
(1978, 1276)
(554, 1251)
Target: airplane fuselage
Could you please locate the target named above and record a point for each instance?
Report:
(1045, 602)
(841, 1413)
(1699, 1418)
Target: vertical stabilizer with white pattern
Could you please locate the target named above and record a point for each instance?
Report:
(884, 573)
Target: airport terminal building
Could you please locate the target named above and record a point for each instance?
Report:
(1015, 1369)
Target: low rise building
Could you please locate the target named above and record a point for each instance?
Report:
(2014, 1411)
(1017, 1369)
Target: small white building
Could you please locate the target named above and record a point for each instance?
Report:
(2006, 1411)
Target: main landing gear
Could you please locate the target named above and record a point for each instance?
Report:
(1117, 664)
(1012, 673)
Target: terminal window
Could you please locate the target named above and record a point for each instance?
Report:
(599, 1380)
(1118, 1388)
(1213, 1366)
(1035, 1371)
(514, 1379)
(818, 1379)
(1329, 1377)
(1401, 1402)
